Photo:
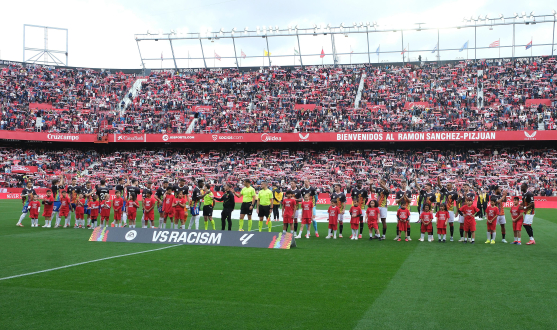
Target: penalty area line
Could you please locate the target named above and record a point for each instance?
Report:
(85, 262)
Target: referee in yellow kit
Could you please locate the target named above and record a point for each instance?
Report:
(264, 205)
(248, 201)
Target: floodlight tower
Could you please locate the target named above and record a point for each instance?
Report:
(48, 55)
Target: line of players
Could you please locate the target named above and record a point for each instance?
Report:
(172, 203)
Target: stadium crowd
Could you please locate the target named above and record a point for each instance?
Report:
(479, 167)
(460, 96)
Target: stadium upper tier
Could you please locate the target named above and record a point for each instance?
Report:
(480, 167)
(460, 96)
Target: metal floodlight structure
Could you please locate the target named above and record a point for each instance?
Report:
(48, 55)
(368, 28)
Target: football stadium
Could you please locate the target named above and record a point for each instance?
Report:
(397, 170)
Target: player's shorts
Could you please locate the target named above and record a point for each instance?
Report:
(528, 218)
(517, 225)
(34, 215)
(194, 210)
(56, 206)
(287, 219)
(298, 214)
(105, 217)
(47, 214)
(73, 206)
(79, 215)
(333, 226)
(383, 212)
(168, 214)
(94, 215)
(132, 214)
(354, 225)
(372, 225)
(427, 228)
(207, 211)
(442, 231)
(492, 226)
(117, 215)
(402, 226)
(179, 215)
(341, 217)
(149, 216)
(87, 210)
(451, 216)
(264, 211)
(460, 218)
(245, 209)
(64, 212)
(306, 221)
(470, 225)
(159, 208)
(25, 208)
(124, 208)
(501, 220)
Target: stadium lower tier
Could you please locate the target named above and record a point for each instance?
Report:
(505, 164)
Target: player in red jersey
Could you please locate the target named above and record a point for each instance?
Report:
(64, 210)
(94, 206)
(372, 218)
(469, 212)
(442, 217)
(307, 215)
(492, 213)
(132, 205)
(426, 227)
(355, 214)
(403, 216)
(167, 208)
(288, 209)
(333, 212)
(517, 214)
(34, 207)
(180, 213)
(148, 205)
(79, 212)
(48, 203)
(118, 205)
(105, 210)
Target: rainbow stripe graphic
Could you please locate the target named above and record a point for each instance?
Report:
(99, 235)
(281, 241)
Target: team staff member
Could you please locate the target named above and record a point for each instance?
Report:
(248, 199)
(228, 204)
(277, 200)
(264, 205)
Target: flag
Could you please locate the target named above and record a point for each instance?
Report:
(494, 44)
(217, 56)
(296, 52)
(403, 51)
(322, 53)
(529, 45)
(243, 54)
(435, 48)
(377, 50)
(465, 46)
(266, 53)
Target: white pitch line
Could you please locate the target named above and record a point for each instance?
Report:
(86, 262)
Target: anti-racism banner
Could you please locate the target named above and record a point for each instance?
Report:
(276, 240)
(342, 137)
(40, 136)
(24, 169)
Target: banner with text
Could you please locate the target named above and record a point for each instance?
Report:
(276, 240)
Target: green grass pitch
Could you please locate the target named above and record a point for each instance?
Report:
(321, 284)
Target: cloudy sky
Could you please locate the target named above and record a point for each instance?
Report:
(101, 33)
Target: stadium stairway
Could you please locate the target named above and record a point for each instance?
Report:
(360, 89)
(192, 126)
(134, 90)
